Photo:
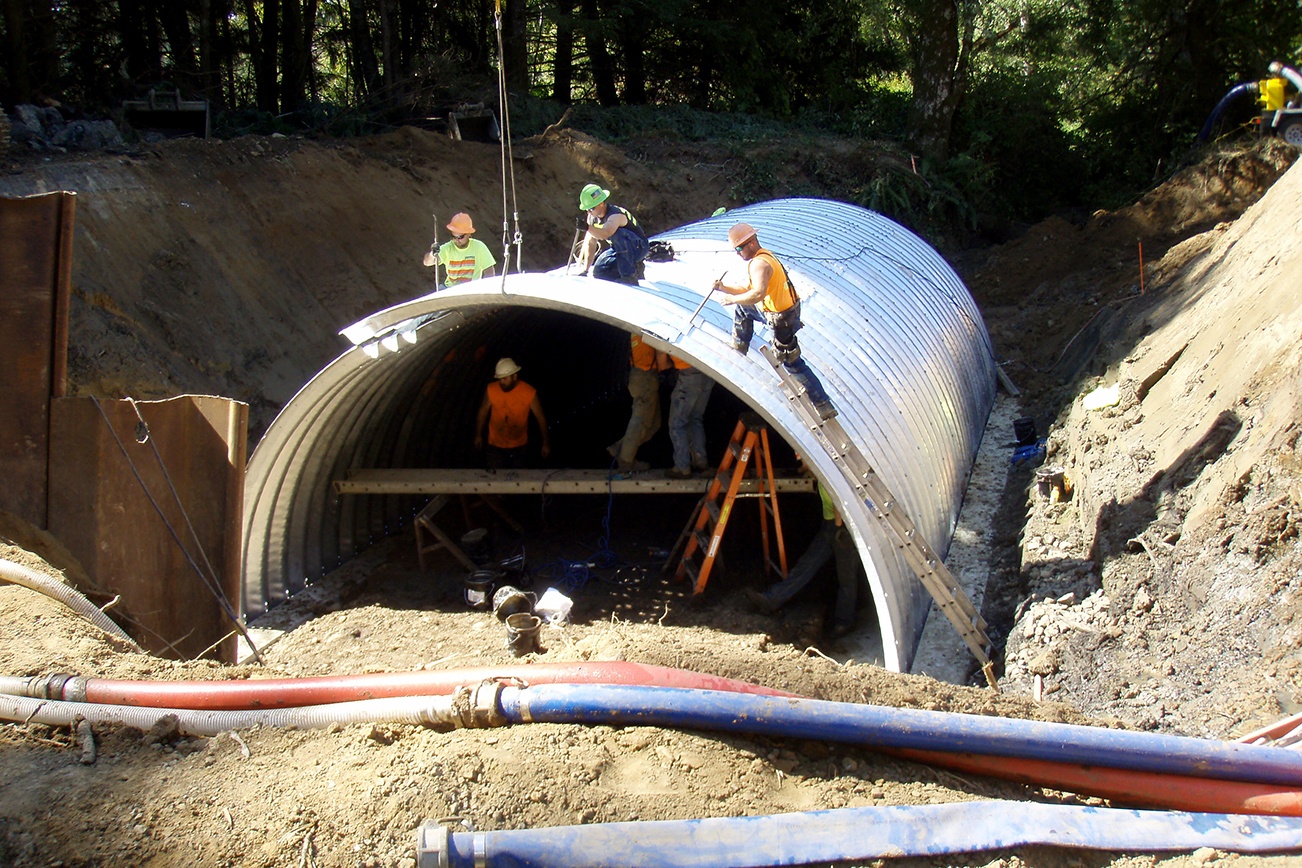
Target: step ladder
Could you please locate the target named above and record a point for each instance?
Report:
(704, 530)
(921, 557)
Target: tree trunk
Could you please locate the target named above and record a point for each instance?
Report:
(364, 67)
(603, 69)
(935, 49)
(515, 46)
(294, 62)
(563, 60)
(15, 64)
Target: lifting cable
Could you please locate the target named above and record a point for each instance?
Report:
(209, 577)
(508, 167)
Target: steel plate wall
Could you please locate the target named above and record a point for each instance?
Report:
(888, 326)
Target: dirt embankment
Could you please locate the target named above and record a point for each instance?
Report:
(1161, 593)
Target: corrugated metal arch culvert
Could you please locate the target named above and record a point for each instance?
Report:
(894, 335)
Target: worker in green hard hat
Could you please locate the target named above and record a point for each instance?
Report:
(622, 260)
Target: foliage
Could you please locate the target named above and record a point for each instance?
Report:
(1026, 107)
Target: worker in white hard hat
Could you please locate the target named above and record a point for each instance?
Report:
(768, 296)
(463, 258)
(508, 403)
(606, 221)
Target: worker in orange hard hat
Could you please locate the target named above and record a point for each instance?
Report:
(463, 258)
(606, 221)
(769, 297)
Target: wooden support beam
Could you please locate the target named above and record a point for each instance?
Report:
(472, 481)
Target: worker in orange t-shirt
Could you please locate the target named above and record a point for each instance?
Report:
(508, 403)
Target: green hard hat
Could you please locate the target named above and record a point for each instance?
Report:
(592, 196)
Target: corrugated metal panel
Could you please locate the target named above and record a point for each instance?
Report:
(889, 328)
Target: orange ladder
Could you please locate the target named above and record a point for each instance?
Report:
(704, 530)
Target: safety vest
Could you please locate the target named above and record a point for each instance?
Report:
(632, 221)
(508, 420)
(780, 295)
(679, 364)
(642, 356)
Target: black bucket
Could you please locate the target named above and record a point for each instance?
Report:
(475, 544)
(479, 588)
(1024, 430)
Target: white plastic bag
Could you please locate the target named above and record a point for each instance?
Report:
(553, 607)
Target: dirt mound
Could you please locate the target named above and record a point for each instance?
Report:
(1162, 593)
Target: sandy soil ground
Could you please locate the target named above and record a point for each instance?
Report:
(1158, 592)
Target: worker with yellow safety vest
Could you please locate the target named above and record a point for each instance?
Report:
(463, 258)
(769, 297)
(622, 261)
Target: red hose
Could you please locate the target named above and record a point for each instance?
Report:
(293, 692)
(1143, 789)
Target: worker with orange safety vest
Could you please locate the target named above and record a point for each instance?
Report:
(687, 405)
(769, 297)
(508, 403)
(463, 258)
(645, 363)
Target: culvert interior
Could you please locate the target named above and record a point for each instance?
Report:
(891, 331)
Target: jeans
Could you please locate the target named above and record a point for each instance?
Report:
(830, 540)
(621, 259)
(644, 421)
(785, 324)
(686, 414)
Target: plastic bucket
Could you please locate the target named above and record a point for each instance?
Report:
(479, 588)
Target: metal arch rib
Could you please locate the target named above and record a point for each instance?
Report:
(889, 327)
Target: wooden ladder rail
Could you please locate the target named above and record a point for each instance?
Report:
(949, 596)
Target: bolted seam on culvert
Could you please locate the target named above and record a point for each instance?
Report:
(888, 326)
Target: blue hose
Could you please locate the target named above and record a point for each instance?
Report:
(878, 726)
(820, 837)
(1230, 96)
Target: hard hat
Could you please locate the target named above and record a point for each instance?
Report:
(740, 234)
(592, 196)
(460, 224)
(505, 368)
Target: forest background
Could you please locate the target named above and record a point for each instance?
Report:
(985, 115)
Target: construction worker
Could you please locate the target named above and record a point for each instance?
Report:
(832, 539)
(508, 403)
(687, 420)
(622, 260)
(769, 297)
(645, 364)
(463, 258)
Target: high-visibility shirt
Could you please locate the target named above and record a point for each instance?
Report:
(642, 356)
(780, 295)
(679, 363)
(465, 263)
(508, 418)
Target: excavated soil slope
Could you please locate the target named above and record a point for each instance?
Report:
(1158, 595)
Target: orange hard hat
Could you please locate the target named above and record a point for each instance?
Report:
(740, 234)
(460, 224)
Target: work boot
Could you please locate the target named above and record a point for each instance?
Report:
(633, 466)
(825, 410)
(759, 602)
(840, 631)
(678, 473)
(740, 346)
